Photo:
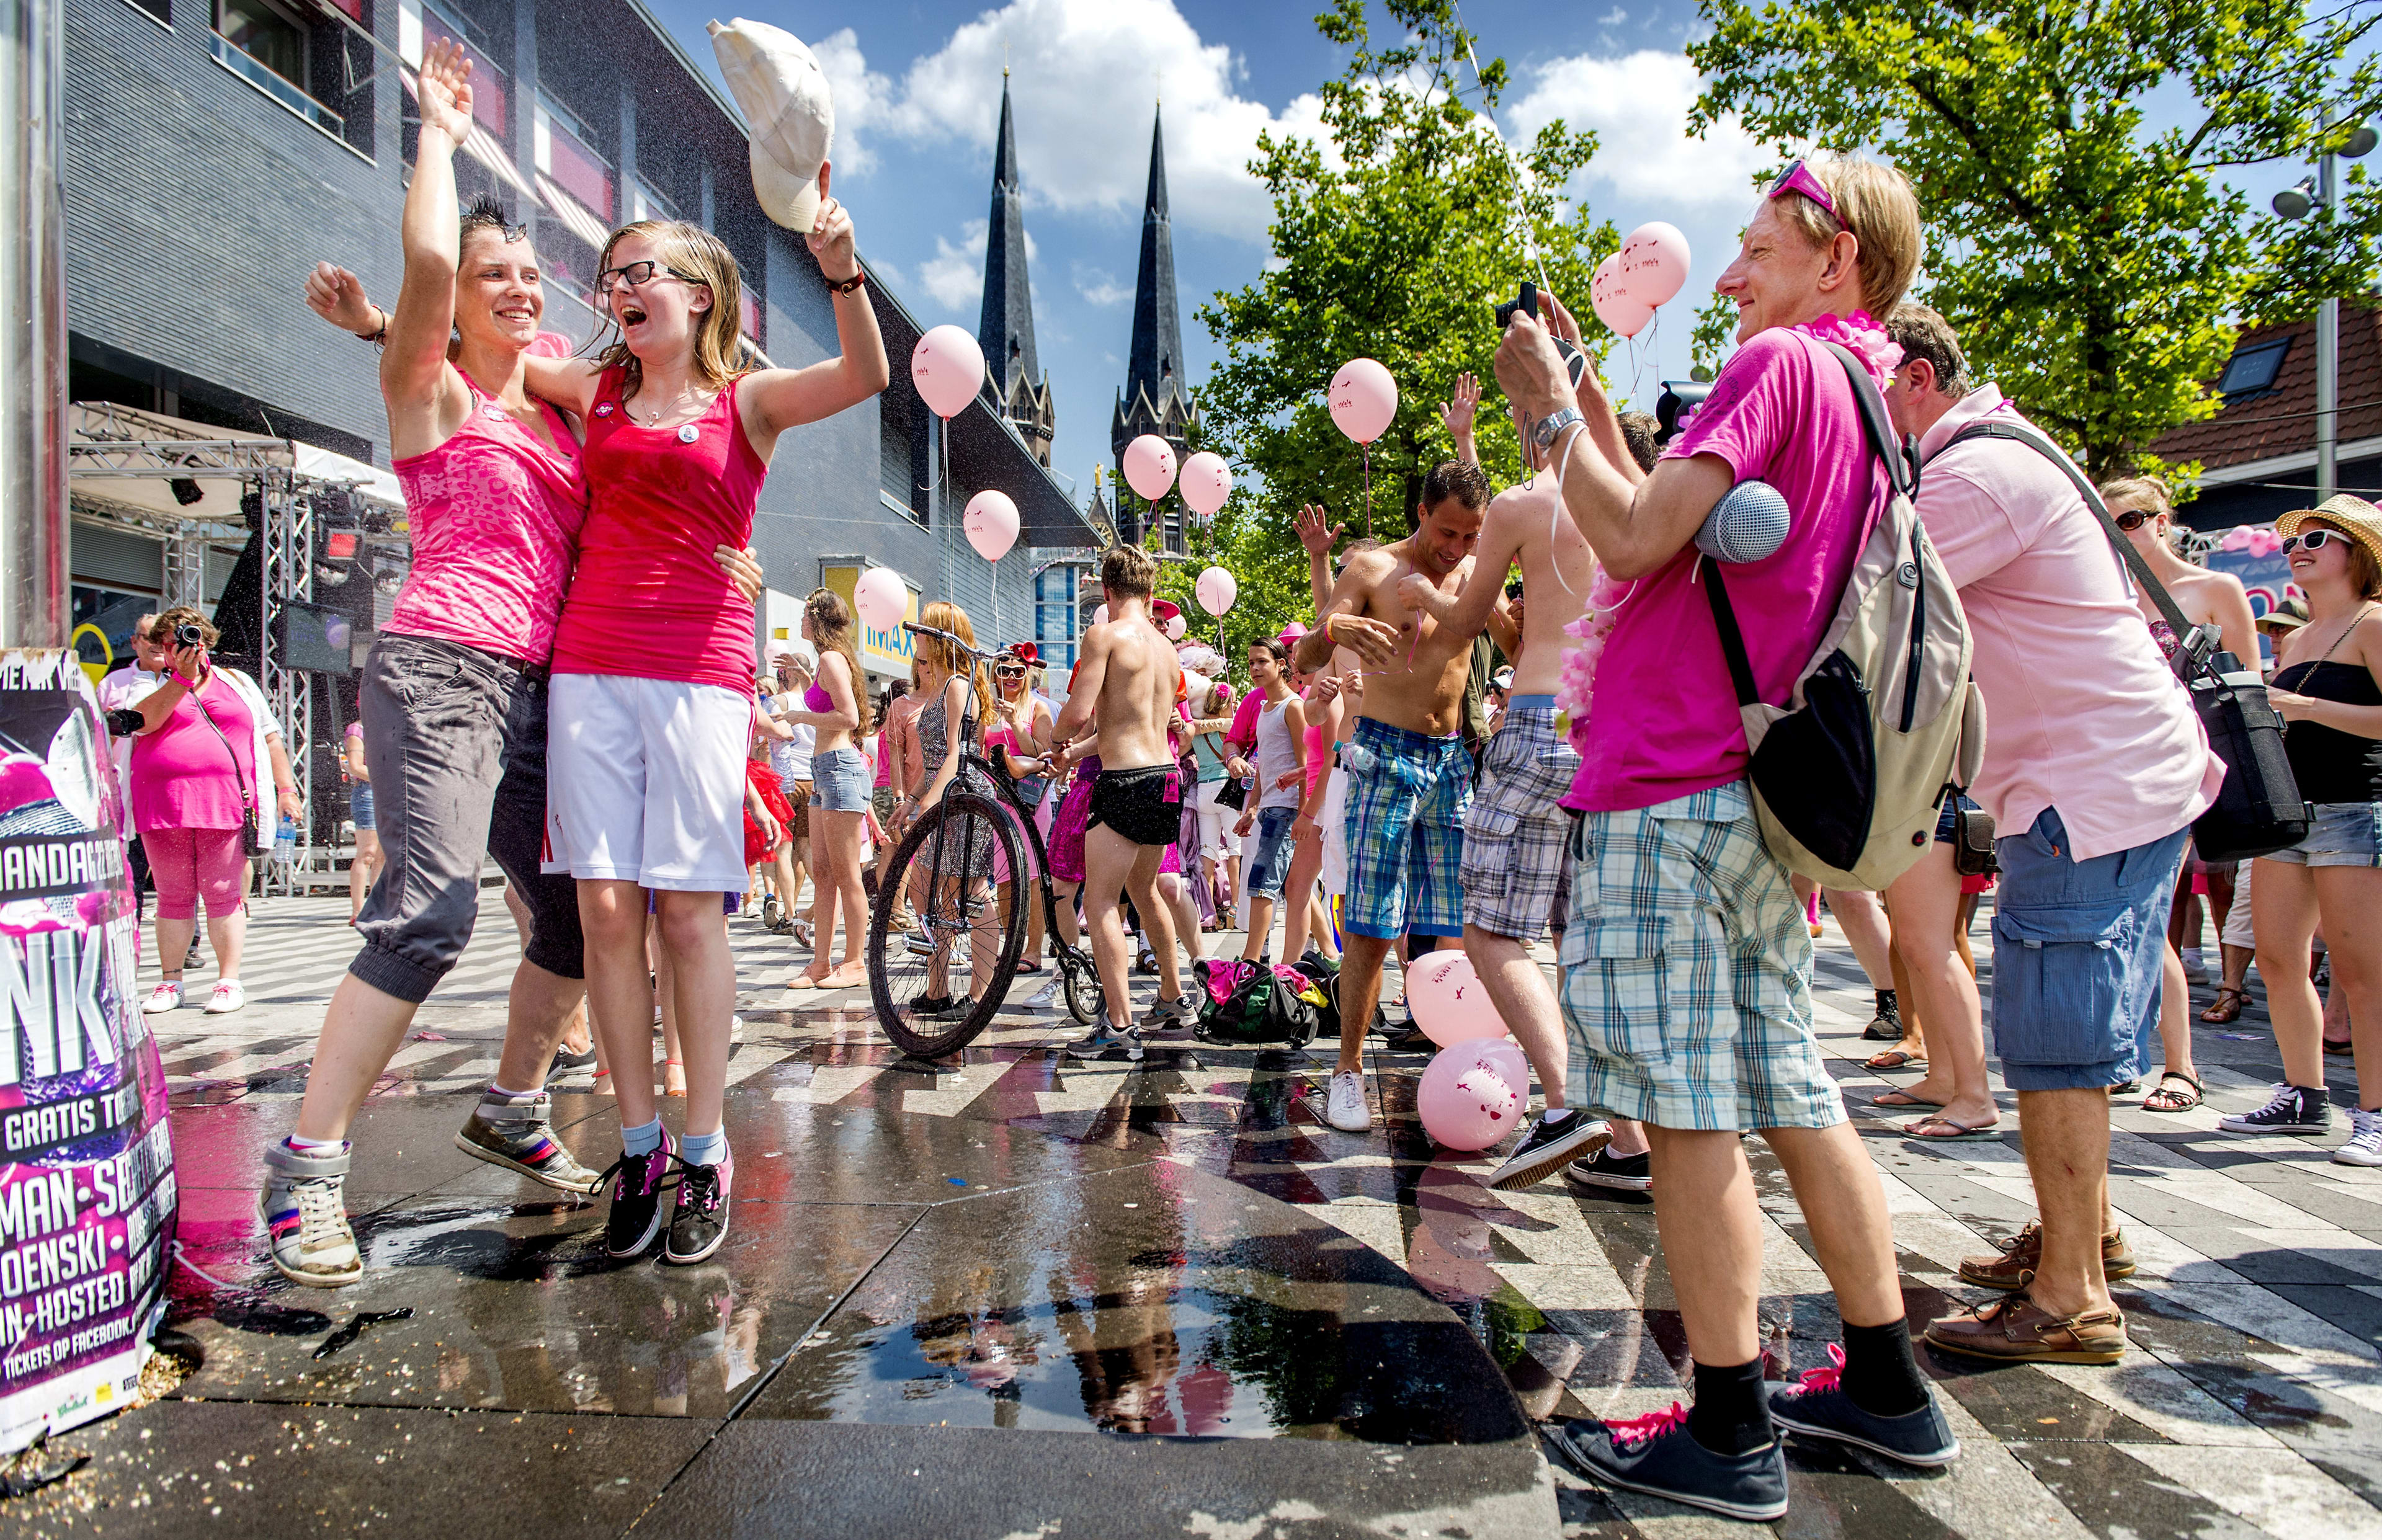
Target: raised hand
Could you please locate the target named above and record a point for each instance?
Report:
(445, 89)
(1315, 530)
(830, 238)
(337, 296)
(1455, 416)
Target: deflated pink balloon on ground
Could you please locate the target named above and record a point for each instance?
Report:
(1150, 466)
(948, 368)
(990, 523)
(1217, 589)
(1364, 399)
(1466, 1101)
(1448, 1001)
(1206, 481)
(1654, 260)
(882, 597)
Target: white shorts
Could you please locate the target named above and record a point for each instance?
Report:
(2237, 919)
(1216, 834)
(644, 782)
(1333, 816)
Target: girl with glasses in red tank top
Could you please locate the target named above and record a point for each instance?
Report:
(652, 664)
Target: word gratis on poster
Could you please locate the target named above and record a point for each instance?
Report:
(87, 1196)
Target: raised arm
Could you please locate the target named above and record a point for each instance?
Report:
(776, 399)
(1456, 415)
(414, 376)
(1316, 532)
(1466, 612)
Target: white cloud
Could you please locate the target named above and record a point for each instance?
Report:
(1087, 76)
(955, 274)
(1099, 287)
(1638, 105)
(1613, 17)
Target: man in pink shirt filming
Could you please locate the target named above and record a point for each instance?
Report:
(1686, 963)
(2094, 768)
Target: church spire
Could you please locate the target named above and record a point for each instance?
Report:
(1155, 364)
(1005, 330)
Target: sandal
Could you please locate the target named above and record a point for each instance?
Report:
(2339, 1046)
(2226, 1007)
(1957, 1130)
(1901, 1098)
(2164, 1100)
(1894, 1058)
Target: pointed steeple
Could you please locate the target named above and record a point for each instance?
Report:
(1155, 365)
(1005, 331)
(1155, 399)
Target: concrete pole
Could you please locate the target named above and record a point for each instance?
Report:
(2327, 361)
(33, 600)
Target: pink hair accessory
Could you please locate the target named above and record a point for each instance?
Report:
(1799, 179)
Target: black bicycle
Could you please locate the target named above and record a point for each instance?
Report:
(932, 986)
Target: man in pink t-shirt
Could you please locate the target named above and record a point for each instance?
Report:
(2094, 768)
(1686, 964)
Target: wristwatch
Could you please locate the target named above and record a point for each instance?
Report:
(1551, 428)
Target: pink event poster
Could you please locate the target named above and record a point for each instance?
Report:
(87, 1195)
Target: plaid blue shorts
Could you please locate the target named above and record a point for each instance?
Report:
(1686, 972)
(1516, 838)
(1406, 833)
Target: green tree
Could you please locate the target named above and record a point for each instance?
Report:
(1395, 240)
(2092, 263)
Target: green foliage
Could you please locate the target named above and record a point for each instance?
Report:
(1395, 240)
(1714, 336)
(2094, 266)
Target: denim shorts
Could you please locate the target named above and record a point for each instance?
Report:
(1947, 823)
(2342, 834)
(1267, 866)
(840, 781)
(2078, 948)
(359, 805)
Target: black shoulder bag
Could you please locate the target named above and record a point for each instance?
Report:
(2259, 809)
(251, 827)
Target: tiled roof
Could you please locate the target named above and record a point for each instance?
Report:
(2282, 421)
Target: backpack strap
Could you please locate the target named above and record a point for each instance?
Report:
(2140, 570)
(1901, 460)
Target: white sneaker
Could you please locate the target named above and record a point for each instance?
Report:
(1051, 996)
(227, 998)
(2364, 1145)
(735, 1029)
(1348, 1109)
(164, 998)
(2195, 967)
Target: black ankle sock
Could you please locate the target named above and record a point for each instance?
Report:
(1887, 1005)
(1731, 1415)
(1881, 1377)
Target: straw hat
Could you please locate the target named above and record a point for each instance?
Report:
(2358, 519)
(2289, 616)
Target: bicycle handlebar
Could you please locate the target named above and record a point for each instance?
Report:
(945, 637)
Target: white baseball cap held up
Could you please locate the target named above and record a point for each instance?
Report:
(778, 82)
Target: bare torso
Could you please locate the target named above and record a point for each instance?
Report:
(1137, 701)
(1557, 568)
(1421, 688)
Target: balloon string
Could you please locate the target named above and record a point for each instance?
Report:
(1366, 451)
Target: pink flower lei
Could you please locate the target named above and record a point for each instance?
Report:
(1865, 339)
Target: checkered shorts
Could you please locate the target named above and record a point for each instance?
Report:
(1686, 972)
(1514, 838)
(1406, 833)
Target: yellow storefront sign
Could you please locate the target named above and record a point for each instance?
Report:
(882, 651)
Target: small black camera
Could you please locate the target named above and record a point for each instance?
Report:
(1513, 589)
(188, 635)
(1527, 300)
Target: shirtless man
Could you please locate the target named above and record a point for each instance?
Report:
(1514, 838)
(1126, 678)
(1405, 809)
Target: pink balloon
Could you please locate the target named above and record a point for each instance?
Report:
(990, 523)
(1217, 589)
(1150, 466)
(1176, 628)
(948, 368)
(1448, 1001)
(1609, 294)
(1466, 1100)
(1654, 260)
(1206, 481)
(1100, 615)
(882, 598)
(1364, 399)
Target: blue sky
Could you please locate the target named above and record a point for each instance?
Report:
(917, 87)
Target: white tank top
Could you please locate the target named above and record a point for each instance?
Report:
(1275, 755)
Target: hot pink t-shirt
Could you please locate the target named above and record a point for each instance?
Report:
(1662, 722)
(494, 516)
(2082, 712)
(182, 774)
(650, 602)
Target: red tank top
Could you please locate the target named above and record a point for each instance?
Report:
(649, 600)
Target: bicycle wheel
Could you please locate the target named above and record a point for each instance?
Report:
(933, 998)
(1081, 982)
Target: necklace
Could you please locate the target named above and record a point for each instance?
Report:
(653, 418)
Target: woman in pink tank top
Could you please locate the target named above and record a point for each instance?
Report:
(654, 663)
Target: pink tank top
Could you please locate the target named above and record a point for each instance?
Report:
(1318, 758)
(649, 601)
(494, 518)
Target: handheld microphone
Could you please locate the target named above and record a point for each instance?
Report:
(1748, 523)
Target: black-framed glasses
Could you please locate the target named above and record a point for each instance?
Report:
(637, 274)
(2133, 519)
(2314, 540)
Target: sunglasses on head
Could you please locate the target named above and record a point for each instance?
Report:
(2314, 540)
(1799, 179)
(2134, 519)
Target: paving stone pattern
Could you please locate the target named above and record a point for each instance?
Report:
(1035, 1296)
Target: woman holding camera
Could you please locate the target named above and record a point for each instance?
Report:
(206, 736)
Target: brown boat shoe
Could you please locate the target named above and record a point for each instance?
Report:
(2021, 1254)
(2015, 1329)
